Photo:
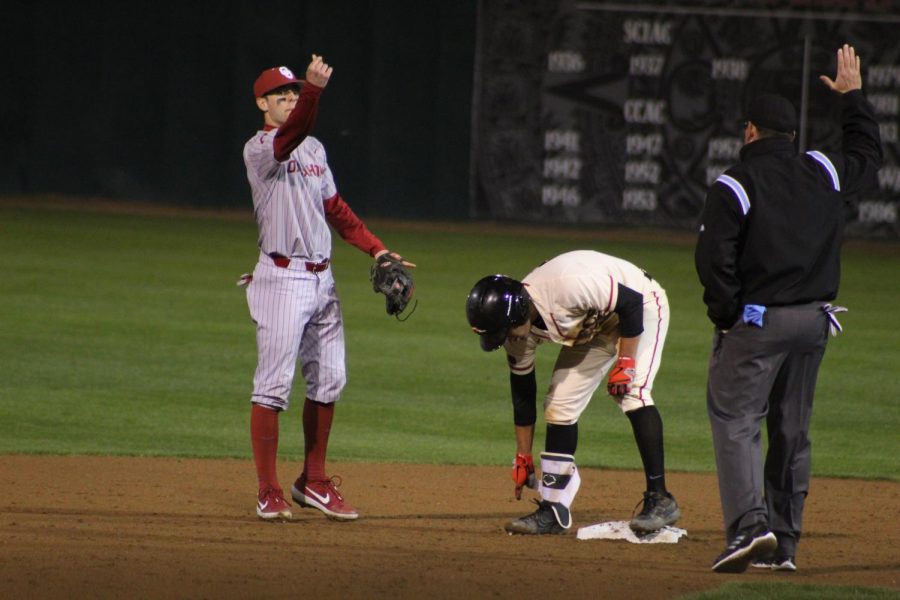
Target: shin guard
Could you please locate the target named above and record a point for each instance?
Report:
(559, 484)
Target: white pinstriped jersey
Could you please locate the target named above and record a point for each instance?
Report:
(288, 197)
(576, 292)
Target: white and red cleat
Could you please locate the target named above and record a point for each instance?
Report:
(324, 496)
(271, 505)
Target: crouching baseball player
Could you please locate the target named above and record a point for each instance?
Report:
(609, 316)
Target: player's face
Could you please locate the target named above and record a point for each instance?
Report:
(279, 104)
(519, 333)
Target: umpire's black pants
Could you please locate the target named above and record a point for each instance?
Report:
(765, 373)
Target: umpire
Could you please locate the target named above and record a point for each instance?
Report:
(768, 256)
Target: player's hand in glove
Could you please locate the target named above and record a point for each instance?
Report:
(523, 473)
(387, 255)
(390, 277)
(619, 381)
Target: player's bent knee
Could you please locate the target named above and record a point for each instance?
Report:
(560, 417)
(326, 389)
(564, 412)
(628, 403)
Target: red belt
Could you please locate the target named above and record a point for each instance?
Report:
(313, 267)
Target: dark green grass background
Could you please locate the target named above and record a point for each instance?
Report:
(125, 334)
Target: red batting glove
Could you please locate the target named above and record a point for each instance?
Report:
(620, 378)
(523, 473)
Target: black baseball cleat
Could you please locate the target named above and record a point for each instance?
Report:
(659, 511)
(748, 545)
(540, 522)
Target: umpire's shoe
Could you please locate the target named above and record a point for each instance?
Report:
(659, 511)
(777, 562)
(749, 544)
(540, 522)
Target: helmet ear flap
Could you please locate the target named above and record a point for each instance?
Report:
(520, 305)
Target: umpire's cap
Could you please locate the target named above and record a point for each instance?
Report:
(771, 111)
(495, 305)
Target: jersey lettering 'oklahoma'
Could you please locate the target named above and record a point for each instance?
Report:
(291, 218)
(307, 171)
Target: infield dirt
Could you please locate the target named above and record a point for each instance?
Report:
(97, 527)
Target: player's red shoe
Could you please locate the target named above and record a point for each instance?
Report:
(324, 496)
(270, 505)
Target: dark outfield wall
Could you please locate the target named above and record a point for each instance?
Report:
(153, 101)
(600, 113)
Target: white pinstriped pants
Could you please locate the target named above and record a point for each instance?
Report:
(298, 316)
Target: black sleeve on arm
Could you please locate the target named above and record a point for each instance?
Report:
(524, 398)
(861, 143)
(630, 308)
(715, 256)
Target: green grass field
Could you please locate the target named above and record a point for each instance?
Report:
(786, 591)
(125, 334)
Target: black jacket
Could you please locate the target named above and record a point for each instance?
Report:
(772, 226)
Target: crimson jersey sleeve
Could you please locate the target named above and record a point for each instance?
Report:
(340, 216)
(299, 123)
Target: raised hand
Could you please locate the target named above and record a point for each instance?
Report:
(318, 72)
(848, 77)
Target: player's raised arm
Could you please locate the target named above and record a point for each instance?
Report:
(302, 117)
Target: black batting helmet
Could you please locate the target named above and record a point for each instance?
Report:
(495, 305)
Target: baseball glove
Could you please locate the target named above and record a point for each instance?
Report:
(390, 277)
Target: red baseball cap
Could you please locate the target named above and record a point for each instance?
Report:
(273, 78)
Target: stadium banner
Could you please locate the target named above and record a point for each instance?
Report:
(624, 113)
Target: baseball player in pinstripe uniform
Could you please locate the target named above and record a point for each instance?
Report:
(768, 256)
(291, 293)
(610, 317)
